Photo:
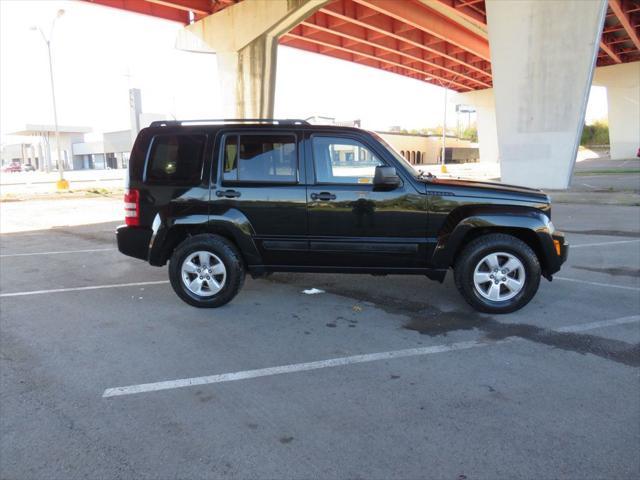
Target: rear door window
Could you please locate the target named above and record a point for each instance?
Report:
(269, 158)
(176, 159)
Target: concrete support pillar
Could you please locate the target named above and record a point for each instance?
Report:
(248, 79)
(623, 100)
(484, 103)
(244, 38)
(542, 56)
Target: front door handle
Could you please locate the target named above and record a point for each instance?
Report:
(324, 196)
(227, 193)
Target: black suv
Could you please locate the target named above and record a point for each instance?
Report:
(220, 198)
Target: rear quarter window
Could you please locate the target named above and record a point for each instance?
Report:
(176, 159)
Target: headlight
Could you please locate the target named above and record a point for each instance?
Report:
(551, 227)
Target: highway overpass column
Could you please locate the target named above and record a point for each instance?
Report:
(244, 38)
(542, 58)
(485, 105)
(623, 101)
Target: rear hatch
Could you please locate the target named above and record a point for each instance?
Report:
(168, 175)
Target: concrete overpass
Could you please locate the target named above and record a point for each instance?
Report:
(526, 65)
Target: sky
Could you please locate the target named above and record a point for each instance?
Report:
(99, 53)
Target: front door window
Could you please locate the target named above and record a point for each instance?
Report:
(343, 161)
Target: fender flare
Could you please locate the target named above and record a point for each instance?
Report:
(526, 219)
(232, 224)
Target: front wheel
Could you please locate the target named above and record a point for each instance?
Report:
(497, 273)
(206, 271)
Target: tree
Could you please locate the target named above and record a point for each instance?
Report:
(595, 134)
(470, 134)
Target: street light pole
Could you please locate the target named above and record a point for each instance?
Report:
(443, 168)
(61, 184)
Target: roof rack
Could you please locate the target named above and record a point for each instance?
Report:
(272, 121)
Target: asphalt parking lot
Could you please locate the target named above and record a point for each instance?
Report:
(378, 377)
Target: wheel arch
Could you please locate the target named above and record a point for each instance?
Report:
(232, 225)
(527, 224)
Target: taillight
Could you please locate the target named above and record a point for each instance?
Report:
(132, 207)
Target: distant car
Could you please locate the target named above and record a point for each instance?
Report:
(14, 167)
(28, 168)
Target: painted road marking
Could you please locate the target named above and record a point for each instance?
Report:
(338, 362)
(600, 244)
(58, 253)
(601, 324)
(597, 284)
(79, 289)
(292, 368)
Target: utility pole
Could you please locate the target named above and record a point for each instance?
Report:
(61, 184)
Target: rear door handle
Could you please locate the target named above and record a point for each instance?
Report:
(227, 193)
(324, 196)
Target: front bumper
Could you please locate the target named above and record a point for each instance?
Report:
(134, 241)
(564, 249)
(556, 258)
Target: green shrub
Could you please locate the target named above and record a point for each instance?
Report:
(595, 134)
(470, 134)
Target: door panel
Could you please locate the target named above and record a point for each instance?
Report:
(260, 177)
(351, 223)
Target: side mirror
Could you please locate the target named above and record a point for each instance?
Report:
(386, 178)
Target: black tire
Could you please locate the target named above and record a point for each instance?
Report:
(476, 251)
(228, 255)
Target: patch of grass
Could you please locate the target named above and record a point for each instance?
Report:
(91, 193)
(9, 197)
(103, 191)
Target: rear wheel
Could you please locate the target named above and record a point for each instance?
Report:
(497, 273)
(206, 271)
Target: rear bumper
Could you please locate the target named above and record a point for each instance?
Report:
(134, 241)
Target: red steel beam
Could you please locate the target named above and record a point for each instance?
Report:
(386, 29)
(201, 7)
(302, 45)
(176, 10)
(146, 8)
(609, 51)
(479, 18)
(385, 46)
(380, 52)
(222, 4)
(330, 44)
(625, 21)
(361, 38)
(419, 16)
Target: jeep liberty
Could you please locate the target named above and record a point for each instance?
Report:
(220, 198)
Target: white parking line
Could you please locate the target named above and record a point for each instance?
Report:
(57, 253)
(597, 284)
(600, 244)
(282, 369)
(78, 289)
(604, 323)
(338, 362)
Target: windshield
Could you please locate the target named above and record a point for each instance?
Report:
(404, 163)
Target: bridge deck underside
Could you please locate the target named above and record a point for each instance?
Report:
(443, 42)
